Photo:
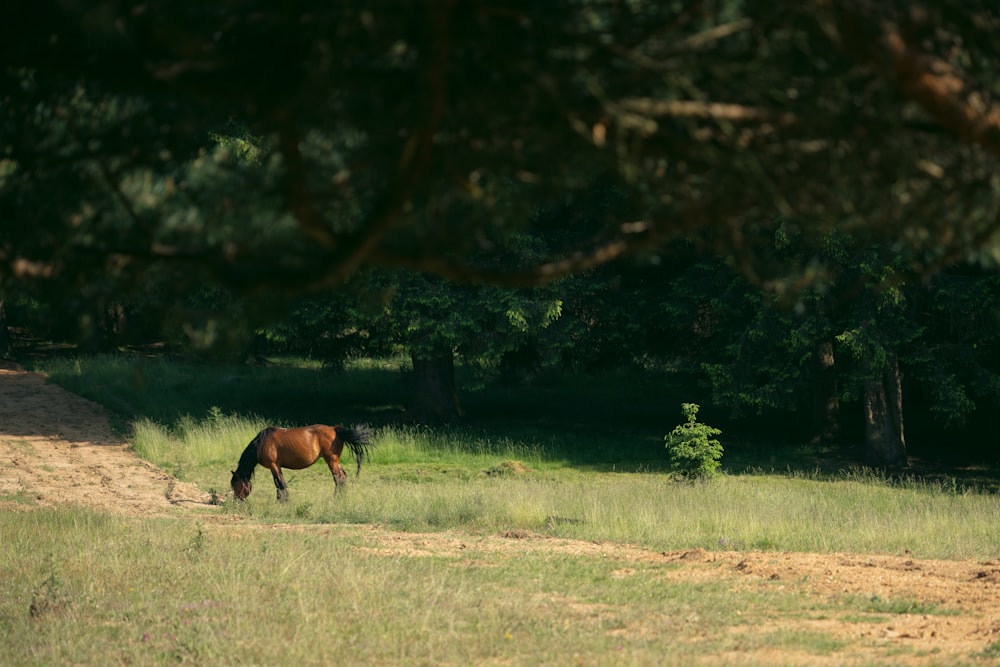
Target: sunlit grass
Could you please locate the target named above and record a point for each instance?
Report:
(194, 447)
(424, 445)
(92, 589)
(111, 590)
(732, 512)
(490, 479)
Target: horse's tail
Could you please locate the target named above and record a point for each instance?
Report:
(248, 459)
(358, 438)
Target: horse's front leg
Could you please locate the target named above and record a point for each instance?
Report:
(279, 482)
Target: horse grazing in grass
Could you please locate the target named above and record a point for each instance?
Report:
(297, 448)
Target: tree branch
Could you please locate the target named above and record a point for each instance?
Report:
(354, 250)
(737, 113)
(297, 193)
(633, 240)
(943, 93)
(938, 87)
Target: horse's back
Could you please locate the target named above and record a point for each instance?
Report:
(297, 448)
(313, 430)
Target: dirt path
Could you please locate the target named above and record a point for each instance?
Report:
(58, 448)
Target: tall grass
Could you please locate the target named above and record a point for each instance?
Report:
(89, 589)
(416, 445)
(193, 446)
(80, 587)
(490, 479)
(651, 510)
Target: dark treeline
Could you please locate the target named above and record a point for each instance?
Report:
(790, 206)
(790, 368)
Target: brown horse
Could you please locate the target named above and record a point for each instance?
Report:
(297, 448)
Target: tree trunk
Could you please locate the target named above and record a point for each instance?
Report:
(826, 402)
(885, 444)
(4, 332)
(435, 399)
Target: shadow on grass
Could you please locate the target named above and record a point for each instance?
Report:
(166, 391)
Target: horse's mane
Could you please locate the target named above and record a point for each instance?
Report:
(248, 459)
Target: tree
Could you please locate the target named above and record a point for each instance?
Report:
(4, 332)
(273, 153)
(863, 331)
(875, 325)
(957, 356)
(374, 124)
(434, 320)
(694, 450)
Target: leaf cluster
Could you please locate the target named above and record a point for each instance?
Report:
(695, 452)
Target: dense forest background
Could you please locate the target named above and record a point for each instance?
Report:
(791, 207)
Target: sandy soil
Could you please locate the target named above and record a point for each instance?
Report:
(59, 449)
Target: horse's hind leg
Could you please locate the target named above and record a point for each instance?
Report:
(339, 476)
(279, 482)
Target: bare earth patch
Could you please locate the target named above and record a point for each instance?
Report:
(59, 449)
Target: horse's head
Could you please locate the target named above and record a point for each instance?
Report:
(241, 487)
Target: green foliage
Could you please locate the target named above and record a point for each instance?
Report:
(429, 316)
(853, 308)
(332, 328)
(955, 357)
(236, 137)
(172, 202)
(694, 450)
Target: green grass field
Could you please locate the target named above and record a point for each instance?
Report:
(194, 421)
(105, 590)
(306, 581)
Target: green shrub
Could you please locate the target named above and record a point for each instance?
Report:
(694, 451)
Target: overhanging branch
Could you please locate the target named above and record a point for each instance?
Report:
(542, 273)
(943, 93)
(737, 113)
(941, 89)
(354, 250)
